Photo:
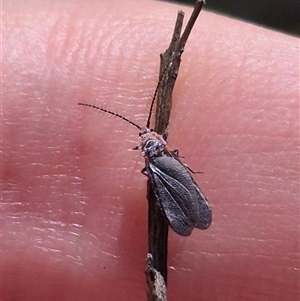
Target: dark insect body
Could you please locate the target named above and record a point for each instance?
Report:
(180, 198)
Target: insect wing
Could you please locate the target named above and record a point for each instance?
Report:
(167, 192)
(181, 199)
(204, 215)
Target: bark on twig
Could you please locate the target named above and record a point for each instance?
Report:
(156, 270)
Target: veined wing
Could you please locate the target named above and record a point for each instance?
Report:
(182, 201)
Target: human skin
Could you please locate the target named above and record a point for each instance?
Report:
(74, 212)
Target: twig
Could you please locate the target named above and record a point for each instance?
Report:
(157, 290)
(157, 225)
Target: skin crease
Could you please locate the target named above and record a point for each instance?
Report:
(74, 212)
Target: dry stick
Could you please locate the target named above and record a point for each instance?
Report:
(156, 270)
(157, 225)
(157, 290)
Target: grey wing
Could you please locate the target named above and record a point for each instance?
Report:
(204, 215)
(182, 189)
(174, 199)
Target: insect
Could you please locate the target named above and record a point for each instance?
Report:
(180, 198)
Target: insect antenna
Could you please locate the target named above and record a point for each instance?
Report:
(110, 112)
(155, 94)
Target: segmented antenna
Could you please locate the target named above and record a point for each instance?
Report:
(155, 94)
(110, 112)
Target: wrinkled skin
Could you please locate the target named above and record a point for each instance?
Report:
(74, 213)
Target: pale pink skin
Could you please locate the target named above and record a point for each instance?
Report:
(74, 214)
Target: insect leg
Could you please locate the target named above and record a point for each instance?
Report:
(144, 172)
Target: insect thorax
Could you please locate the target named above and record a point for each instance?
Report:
(151, 144)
